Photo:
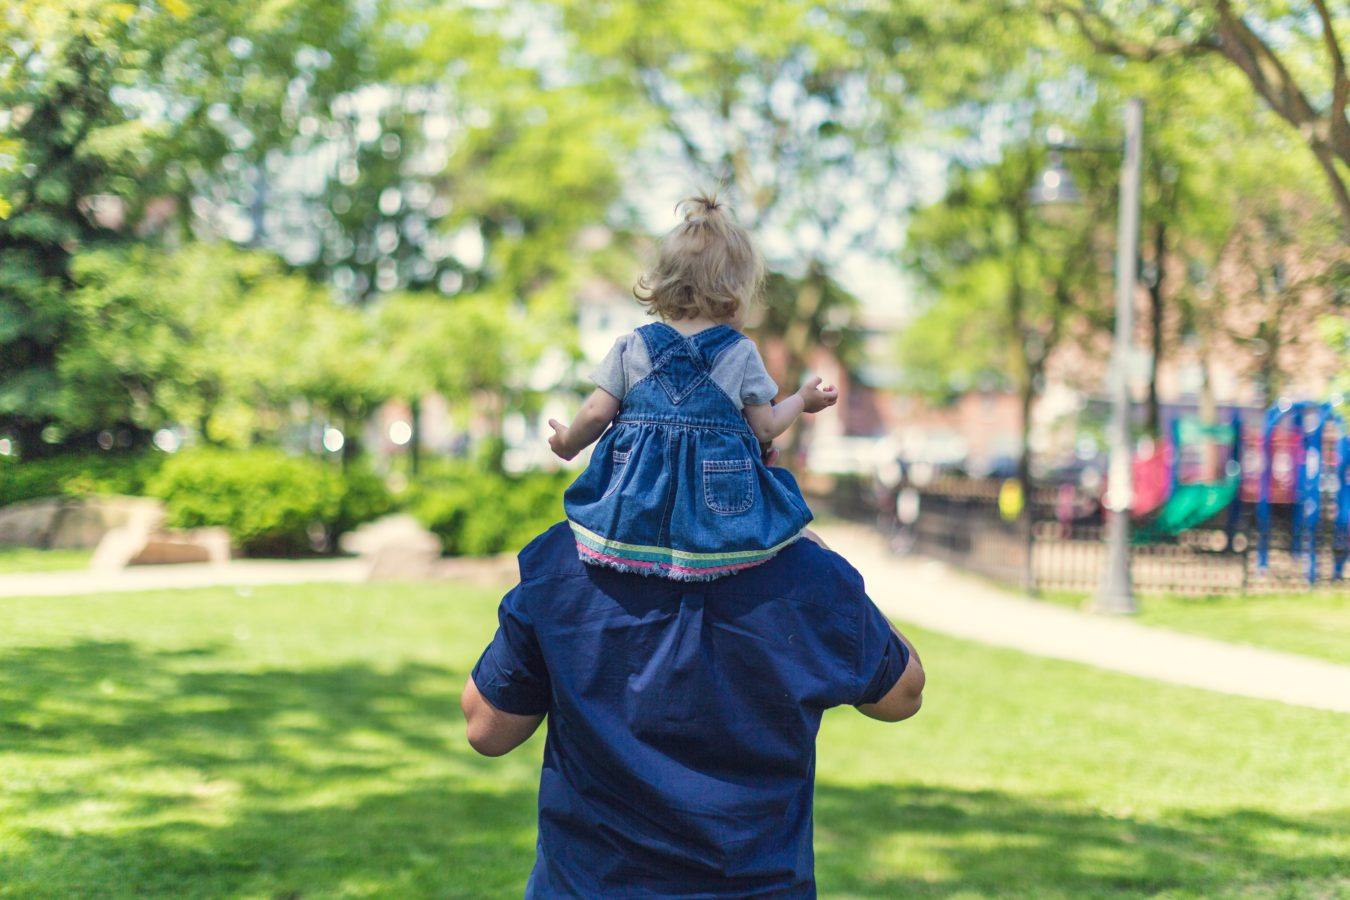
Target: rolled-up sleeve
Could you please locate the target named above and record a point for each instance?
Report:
(883, 657)
(511, 674)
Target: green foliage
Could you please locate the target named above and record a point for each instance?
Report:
(218, 338)
(76, 475)
(115, 116)
(271, 503)
(1002, 279)
(476, 510)
(365, 497)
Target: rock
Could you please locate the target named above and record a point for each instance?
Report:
(76, 523)
(396, 545)
(131, 545)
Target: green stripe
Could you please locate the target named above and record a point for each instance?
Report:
(663, 554)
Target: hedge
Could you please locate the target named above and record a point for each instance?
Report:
(77, 475)
(271, 503)
(477, 511)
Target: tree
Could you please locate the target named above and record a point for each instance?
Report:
(113, 112)
(220, 340)
(1292, 55)
(1008, 283)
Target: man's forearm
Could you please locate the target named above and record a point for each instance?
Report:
(490, 731)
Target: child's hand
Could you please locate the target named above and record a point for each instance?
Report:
(815, 398)
(557, 441)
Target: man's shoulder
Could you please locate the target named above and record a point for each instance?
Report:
(554, 552)
(805, 570)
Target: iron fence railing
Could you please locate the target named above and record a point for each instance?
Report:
(1056, 545)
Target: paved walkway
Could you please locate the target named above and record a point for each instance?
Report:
(933, 595)
(185, 575)
(923, 592)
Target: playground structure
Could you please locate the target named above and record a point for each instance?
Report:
(1307, 463)
(1203, 471)
(1199, 476)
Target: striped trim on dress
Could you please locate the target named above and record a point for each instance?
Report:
(667, 561)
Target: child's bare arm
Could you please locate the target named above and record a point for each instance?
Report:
(591, 420)
(769, 421)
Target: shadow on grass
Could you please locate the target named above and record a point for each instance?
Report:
(128, 772)
(193, 773)
(909, 840)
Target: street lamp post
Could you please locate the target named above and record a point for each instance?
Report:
(1116, 594)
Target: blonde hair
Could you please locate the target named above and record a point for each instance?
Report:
(707, 265)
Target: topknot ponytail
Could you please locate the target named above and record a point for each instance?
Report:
(707, 267)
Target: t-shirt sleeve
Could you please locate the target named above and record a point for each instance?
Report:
(757, 388)
(883, 656)
(511, 674)
(610, 375)
(880, 656)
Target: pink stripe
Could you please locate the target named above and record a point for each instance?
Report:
(605, 557)
(647, 564)
(730, 568)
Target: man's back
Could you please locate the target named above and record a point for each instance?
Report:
(682, 717)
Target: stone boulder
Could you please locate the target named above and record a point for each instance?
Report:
(397, 547)
(59, 523)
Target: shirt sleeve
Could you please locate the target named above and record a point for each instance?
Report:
(757, 388)
(883, 657)
(511, 674)
(610, 375)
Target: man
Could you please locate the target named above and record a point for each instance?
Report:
(680, 759)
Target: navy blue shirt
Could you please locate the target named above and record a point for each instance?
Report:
(682, 716)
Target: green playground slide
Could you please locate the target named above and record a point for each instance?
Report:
(1190, 505)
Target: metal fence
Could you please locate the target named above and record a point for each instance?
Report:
(1046, 550)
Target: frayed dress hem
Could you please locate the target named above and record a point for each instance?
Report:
(617, 559)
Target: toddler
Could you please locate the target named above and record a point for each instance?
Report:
(677, 487)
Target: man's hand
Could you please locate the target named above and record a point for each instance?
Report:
(557, 441)
(815, 398)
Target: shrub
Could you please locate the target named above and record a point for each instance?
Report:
(476, 511)
(271, 503)
(76, 475)
(364, 497)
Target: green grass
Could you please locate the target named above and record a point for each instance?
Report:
(306, 742)
(1314, 623)
(17, 560)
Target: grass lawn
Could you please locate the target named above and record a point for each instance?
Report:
(1314, 623)
(306, 742)
(16, 560)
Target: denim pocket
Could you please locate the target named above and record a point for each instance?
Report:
(620, 465)
(728, 485)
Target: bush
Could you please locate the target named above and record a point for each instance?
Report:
(77, 475)
(476, 511)
(271, 503)
(364, 497)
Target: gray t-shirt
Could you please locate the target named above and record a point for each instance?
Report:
(738, 371)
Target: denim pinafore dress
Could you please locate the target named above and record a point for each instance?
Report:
(676, 486)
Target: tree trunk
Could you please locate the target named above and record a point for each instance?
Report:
(1027, 397)
(1156, 309)
(415, 440)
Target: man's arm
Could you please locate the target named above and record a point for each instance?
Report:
(491, 731)
(906, 696)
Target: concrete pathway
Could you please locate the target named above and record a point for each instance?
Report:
(933, 595)
(184, 575)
